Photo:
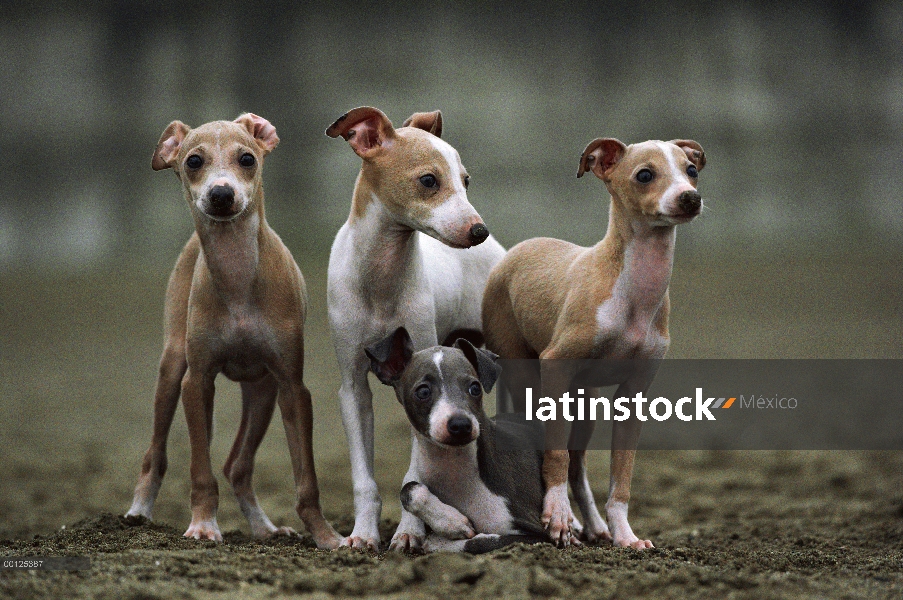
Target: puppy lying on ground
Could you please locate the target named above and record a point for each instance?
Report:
(478, 482)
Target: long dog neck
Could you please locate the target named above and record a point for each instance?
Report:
(644, 254)
(231, 251)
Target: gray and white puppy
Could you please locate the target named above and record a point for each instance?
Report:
(478, 482)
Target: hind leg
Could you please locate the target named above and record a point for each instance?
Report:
(503, 336)
(258, 400)
(500, 329)
(297, 418)
(595, 529)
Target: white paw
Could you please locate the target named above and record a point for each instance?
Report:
(204, 530)
(633, 542)
(361, 543)
(556, 516)
(457, 527)
(408, 543)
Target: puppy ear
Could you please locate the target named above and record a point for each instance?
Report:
(483, 361)
(601, 156)
(367, 129)
(693, 151)
(261, 130)
(168, 147)
(427, 121)
(390, 357)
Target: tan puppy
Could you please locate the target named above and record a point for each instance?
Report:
(235, 305)
(554, 300)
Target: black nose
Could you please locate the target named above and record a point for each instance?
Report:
(459, 426)
(690, 201)
(221, 197)
(478, 234)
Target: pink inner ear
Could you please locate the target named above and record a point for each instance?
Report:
(395, 364)
(428, 121)
(262, 130)
(167, 152)
(266, 133)
(398, 358)
(170, 148)
(364, 136)
(697, 157)
(609, 155)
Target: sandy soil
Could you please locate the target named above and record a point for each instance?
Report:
(77, 367)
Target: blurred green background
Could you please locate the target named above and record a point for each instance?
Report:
(799, 107)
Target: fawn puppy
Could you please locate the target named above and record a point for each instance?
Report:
(551, 299)
(235, 304)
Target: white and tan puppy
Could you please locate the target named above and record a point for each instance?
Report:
(551, 299)
(414, 253)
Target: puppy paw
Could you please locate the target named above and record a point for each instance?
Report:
(635, 543)
(275, 532)
(407, 543)
(595, 532)
(557, 515)
(204, 530)
(456, 527)
(361, 543)
(623, 534)
(332, 541)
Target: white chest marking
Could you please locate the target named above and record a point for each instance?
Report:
(626, 321)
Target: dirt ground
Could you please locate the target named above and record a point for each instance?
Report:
(77, 366)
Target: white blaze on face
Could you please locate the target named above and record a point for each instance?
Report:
(680, 181)
(452, 220)
(455, 168)
(443, 410)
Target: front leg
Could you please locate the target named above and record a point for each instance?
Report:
(411, 532)
(197, 399)
(410, 535)
(595, 529)
(624, 440)
(445, 520)
(357, 416)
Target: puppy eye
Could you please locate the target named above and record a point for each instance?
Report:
(194, 162)
(423, 392)
(246, 160)
(429, 181)
(692, 172)
(474, 389)
(644, 176)
(466, 182)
